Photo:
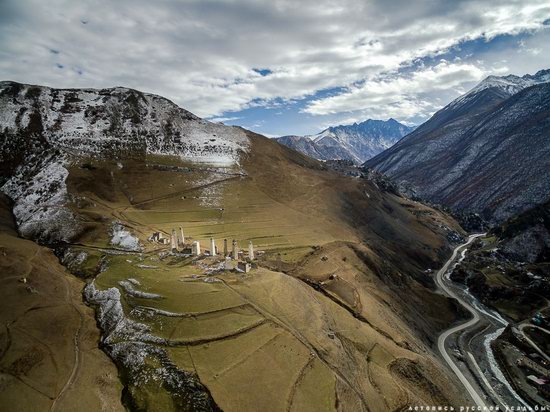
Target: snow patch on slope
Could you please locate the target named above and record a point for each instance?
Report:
(123, 239)
(130, 344)
(115, 121)
(40, 195)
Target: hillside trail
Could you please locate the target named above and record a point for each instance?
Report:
(76, 341)
(304, 341)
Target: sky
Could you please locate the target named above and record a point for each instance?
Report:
(277, 67)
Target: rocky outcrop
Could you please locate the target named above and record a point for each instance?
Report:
(108, 122)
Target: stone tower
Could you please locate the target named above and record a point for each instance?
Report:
(225, 248)
(196, 248)
(212, 247)
(182, 237)
(234, 250)
(250, 250)
(173, 241)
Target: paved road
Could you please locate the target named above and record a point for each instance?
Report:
(475, 318)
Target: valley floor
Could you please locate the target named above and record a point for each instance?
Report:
(469, 347)
(499, 350)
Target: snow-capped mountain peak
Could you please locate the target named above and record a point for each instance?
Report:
(486, 152)
(357, 142)
(109, 121)
(509, 85)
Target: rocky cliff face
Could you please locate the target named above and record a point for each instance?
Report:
(357, 142)
(43, 129)
(307, 146)
(488, 152)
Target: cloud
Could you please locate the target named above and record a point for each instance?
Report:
(218, 56)
(224, 119)
(398, 95)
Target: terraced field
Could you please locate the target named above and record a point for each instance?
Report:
(206, 202)
(224, 327)
(220, 326)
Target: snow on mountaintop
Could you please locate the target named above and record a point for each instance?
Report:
(320, 136)
(510, 84)
(357, 142)
(42, 130)
(110, 121)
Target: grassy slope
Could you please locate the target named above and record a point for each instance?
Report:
(41, 320)
(270, 332)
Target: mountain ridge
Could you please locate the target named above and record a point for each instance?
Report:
(485, 152)
(43, 127)
(356, 142)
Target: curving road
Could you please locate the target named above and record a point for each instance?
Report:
(475, 319)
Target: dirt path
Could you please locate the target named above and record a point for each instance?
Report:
(76, 339)
(182, 192)
(304, 342)
(299, 378)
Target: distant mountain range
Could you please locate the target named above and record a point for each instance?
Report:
(357, 142)
(486, 152)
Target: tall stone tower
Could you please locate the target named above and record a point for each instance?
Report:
(196, 248)
(234, 250)
(173, 241)
(212, 247)
(182, 237)
(250, 250)
(225, 248)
